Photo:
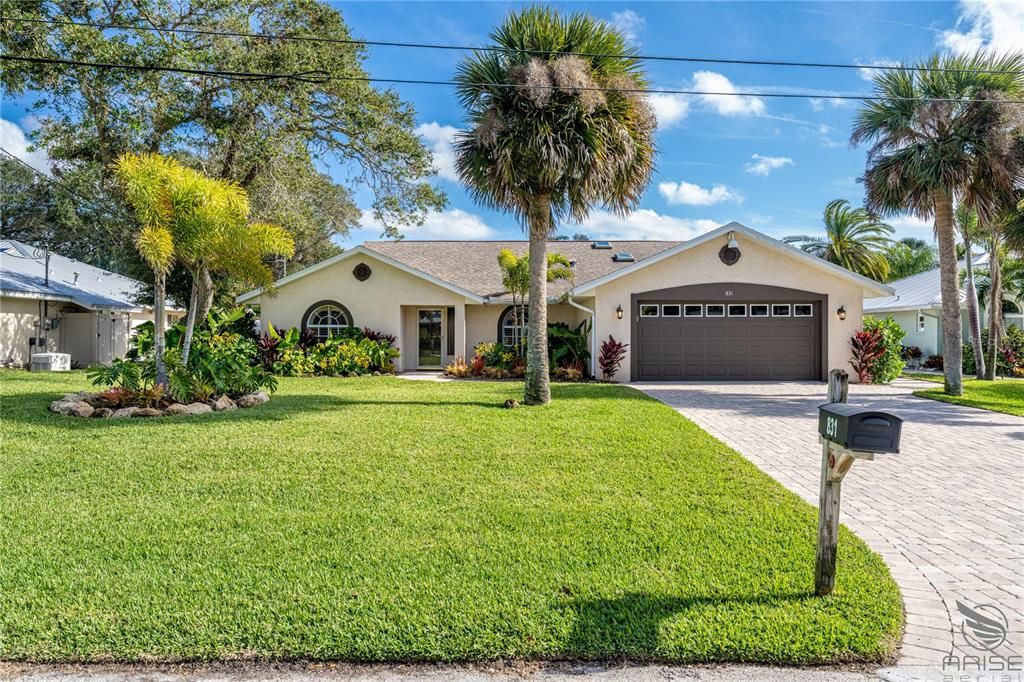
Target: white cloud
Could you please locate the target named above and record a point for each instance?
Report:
(909, 226)
(869, 74)
(763, 165)
(439, 139)
(726, 105)
(986, 24)
(628, 23)
(644, 224)
(12, 138)
(451, 224)
(683, 192)
(669, 109)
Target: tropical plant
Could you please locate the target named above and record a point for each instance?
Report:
(121, 373)
(515, 277)
(867, 348)
(569, 346)
(910, 256)
(610, 357)
(889, 363)
(928, 155)
(854, 239)
(970, 233)
(572, 132)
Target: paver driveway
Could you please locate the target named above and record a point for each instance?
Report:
(946, 513)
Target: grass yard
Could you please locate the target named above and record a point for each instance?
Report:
(379, 519)
(1002, 395)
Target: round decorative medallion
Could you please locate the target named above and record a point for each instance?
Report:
(729, 256)
(362, 272)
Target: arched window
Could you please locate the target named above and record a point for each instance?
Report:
(512, 332)
(327, 319)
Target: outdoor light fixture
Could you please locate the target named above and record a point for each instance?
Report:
(618, 312)
(841, 313)
(733, 244)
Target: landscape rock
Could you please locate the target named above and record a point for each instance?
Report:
(102, 413)
(224, 403)
(124, 412)
(251, 399)
(82, 409)
(71, 407)
(199, 408)
(147, 412)
(176, 408)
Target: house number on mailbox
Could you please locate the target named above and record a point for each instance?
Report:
(831, 427)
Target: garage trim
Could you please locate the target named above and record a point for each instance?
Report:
(740, 292)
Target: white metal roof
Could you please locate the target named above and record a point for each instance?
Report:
(922, 291)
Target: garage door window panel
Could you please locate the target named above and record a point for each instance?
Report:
(693, 310)
(648, 310)
(759, 310)
(803, 310)
(737, 310)
(780, 310)
(714, 310)
(670, 310)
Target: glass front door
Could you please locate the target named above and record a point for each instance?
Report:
(430, 338)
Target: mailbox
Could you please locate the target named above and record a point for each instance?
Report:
(858, 428)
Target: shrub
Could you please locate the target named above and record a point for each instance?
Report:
(478, 365)
(389, 339)
(566, 374)
(458, 368)
(934, 362)
(496, 355)
(867, 349)
(911, 355)
(888, 365)
(124, 374)
(568, 347)
(611, 356)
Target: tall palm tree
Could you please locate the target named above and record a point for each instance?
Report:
(909, 256)
(555, 127)
(927, 155)
(970, 233)
(854, 238)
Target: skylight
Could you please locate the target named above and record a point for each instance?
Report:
(600, 245)
(623, 257)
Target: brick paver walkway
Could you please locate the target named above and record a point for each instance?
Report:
(946, 513)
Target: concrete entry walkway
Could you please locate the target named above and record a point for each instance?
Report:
(946, 513)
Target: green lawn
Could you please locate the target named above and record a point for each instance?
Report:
(1002, 395)
(380, 519)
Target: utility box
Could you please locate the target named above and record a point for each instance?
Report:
(51, 362)
(859, 428)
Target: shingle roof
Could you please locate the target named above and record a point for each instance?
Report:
(922, 291)
(22, 271)
(473, 265)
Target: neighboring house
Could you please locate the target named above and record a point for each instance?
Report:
(917, 306)
(733, 304)
(75, 308)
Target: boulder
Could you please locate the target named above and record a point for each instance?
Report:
(145, 412)
(71, 408)
(251, 399)
(176, 408)
(224, 403)
(82, 409)
(102, 413)
(199, 408)
(124, 412)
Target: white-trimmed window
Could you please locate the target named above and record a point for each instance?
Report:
(693, 310)
(714, 310)
(512, 332)
(759, 310)
(803, 310)
(780, 309)
(327, 320)
(737, 310)
(671, 310)
(920, 322)
(648, 310)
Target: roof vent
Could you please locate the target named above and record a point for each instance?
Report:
(75, 282)
(623, 257)
(600, 245)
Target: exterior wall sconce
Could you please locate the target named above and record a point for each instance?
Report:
(618, 313)
(841, 313)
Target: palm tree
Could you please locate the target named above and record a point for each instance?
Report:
(909, 256)
(926, 155)
(555, 127)
(515, 277)
(970, 233)
(854, 239)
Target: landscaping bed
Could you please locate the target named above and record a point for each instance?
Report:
(377, 519)
(1001, 395)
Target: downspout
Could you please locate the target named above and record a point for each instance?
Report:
(593, 332)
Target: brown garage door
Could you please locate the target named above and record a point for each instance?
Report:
(716, 340)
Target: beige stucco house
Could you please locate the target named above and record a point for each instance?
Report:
(53, 304)
(732, 304)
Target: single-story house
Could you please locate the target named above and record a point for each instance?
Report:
(916, 305)
(732, 304)
(49, 303)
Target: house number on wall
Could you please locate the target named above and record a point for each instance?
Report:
(728, 292)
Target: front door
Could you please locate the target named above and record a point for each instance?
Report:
(430, 338)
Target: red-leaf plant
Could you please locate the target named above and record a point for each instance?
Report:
(867, 348)
(610, 357)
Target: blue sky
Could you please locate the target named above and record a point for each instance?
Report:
(769, 163)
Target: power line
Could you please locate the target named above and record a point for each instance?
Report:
(506, 50)
(315, 77)
(322, 77)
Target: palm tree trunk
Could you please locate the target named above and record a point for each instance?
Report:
(952, 337)
(205, 294)
(972, 314)
(159, 296)
(995, 309)
(190, 323)
(538, 389)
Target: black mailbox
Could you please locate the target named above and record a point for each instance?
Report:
(858, 428)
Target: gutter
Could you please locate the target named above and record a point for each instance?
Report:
(593, 332)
